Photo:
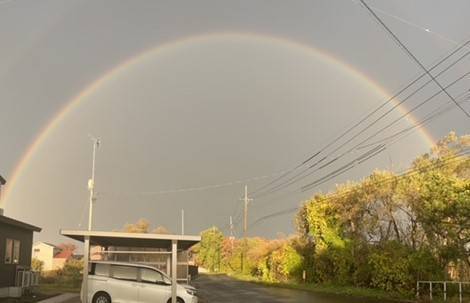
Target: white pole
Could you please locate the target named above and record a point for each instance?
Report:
(445, 291)
(174, 262)
(460, 292)
(182, 221)
(430, 291)
(417, 290)
(86, 249)
(86, 254)
(91, 184)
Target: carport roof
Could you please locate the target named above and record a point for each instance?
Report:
(108, 238)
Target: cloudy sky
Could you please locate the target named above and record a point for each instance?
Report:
(193, 99)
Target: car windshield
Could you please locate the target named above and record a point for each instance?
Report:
(153, 276)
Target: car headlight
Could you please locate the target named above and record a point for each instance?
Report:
(191, 292)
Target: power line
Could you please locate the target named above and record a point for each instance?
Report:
(350, 129)
(302, 175)
(403, 46)
(410, 172)
(410, 23)
(321, 180)
(198, 188)
(432, 115)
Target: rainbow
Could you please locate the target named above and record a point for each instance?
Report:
(123, 66)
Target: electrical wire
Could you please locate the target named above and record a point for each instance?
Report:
(348, 130)
(410, 54)
(409, 172)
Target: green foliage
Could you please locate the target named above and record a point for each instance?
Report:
(143, 226)
(281, 264)
(209, 251)
(388, 231)
(384, 232)
(389, 267)
(37, 265)
(69, 276)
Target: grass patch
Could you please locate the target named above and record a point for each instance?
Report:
(331, 289)
(55, 289)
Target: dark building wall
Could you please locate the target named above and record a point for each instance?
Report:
(8, 271)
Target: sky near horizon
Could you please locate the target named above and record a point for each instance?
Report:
(189, 94)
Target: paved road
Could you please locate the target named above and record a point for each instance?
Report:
(220, 288)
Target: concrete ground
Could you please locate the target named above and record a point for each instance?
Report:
(220, 288)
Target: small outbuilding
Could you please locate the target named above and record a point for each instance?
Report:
(138, 243)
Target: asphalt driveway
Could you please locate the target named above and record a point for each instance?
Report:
(220, 288)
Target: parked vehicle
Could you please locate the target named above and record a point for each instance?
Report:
(117, 282)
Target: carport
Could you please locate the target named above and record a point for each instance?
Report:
(167, 243)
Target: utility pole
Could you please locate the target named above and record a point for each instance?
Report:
(232, 237)
(246, 200)
(231, 228)
(182, 221)
(245, 226)
(86, 249)
(91, 183)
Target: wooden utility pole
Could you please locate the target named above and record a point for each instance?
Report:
(245, 223)
(245, 226)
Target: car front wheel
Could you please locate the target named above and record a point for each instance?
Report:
(101, 297)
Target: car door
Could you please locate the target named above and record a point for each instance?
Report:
(153, 288)
(123, 285)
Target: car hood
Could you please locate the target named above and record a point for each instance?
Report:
(187, 286)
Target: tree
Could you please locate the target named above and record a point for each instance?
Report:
(209, 252)
(161, 230)
(37, 265)
(68, 247)
(387, 231)
(141, 226)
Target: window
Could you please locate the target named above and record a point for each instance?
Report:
(152, 276)
(12, 251)
(16, 251)
(9, 251)
(101, 269)
(125, 272)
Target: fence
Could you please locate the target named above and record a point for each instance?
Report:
(444, 288)
(26, 278)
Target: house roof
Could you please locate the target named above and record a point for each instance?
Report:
(19, 224)
(45, 243)
(121, 239)
(64, 254)
(2, 180)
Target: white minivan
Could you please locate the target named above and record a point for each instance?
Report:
(116, 282)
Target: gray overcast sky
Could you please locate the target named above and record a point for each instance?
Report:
(208, 110)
